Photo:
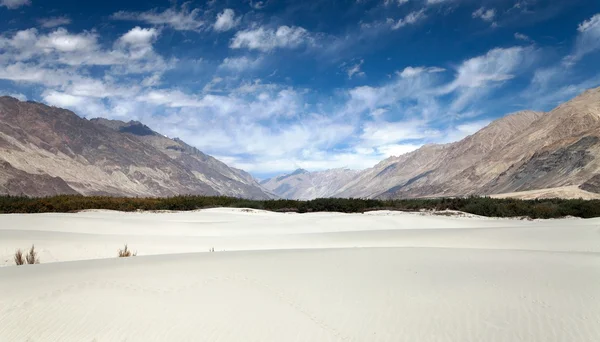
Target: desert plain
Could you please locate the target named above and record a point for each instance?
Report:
(377, 276)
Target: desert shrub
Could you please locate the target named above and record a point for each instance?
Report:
(32, 257)
(126, 253)
(19, 258)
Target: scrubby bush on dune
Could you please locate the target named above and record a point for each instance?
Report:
(30, 258)
(126, 253)
(19, 258)
(485, 206)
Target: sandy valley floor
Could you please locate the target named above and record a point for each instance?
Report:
(381, 276)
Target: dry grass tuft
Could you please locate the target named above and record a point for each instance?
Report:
(32, 257)
(19, 258)
(125, 252)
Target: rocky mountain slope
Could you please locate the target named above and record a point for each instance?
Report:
(46, 150)
(305, 185)
(224, 179)
(434, 165)
(520, 152)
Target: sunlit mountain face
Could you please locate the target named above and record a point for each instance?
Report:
(274, 86)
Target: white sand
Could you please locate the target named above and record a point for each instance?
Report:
(292, 277)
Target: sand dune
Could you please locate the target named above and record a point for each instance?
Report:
(380, 276)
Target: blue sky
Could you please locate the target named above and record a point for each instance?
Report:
(270, 86)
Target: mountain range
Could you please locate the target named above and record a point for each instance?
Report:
(557, 152)
(304, 185)
(47, 150)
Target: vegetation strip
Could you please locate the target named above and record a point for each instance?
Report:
(484, 206)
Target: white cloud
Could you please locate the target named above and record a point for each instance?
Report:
(258, 105)
(396, 149)
(138, 36)
(409, 19)
(477, 76)
(59, 61)
(183, 19)
(484, 14)
(523, 5)
(89, 107)
(62, 41)
(414, 71)
(258, 4)
(378, 133)
(355, 70)
(590, 25)
(588, 39)
(553, 85)
(14, 4)
(132, 53)
(410, 72)
(54, 21)
(267, 39)
(29, 73)
(413, 95)
(64, 100)
(240, 64)
(226, 20)
(463, 130)
(497, 65)
(523, 37)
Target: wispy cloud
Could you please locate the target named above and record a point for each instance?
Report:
(240, 64)
(410, 19)
(267, 39)
(415, 71)
(354, 70)
(182, 19)
(588, 39)
(485, 14)
(498, 65)
(523, 37)
(477, 76)
(14, 4)
(54, 21)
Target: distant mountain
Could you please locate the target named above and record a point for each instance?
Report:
(46, 150)
(305, 185)
(522, 153)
